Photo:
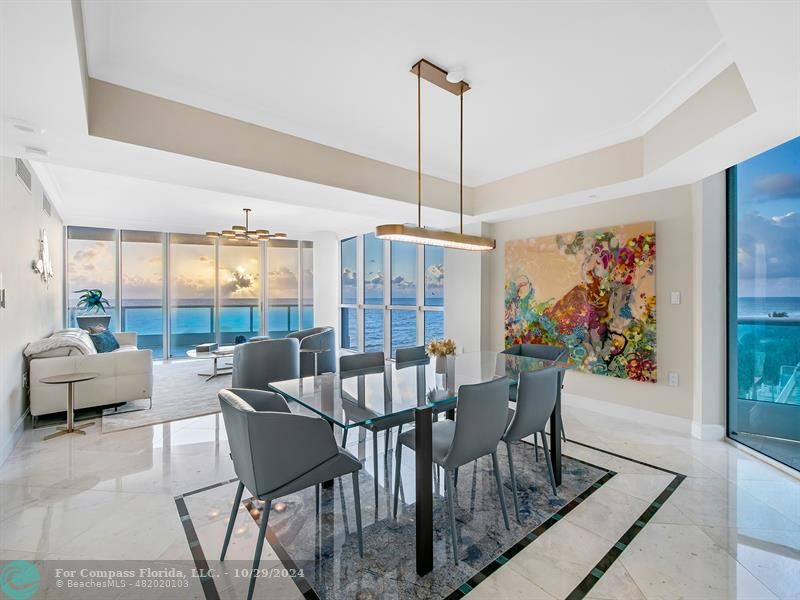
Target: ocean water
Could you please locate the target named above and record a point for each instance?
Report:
(762, 307)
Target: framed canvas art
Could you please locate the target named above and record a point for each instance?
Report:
(591, 291)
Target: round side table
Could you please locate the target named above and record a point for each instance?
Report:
(70, 379)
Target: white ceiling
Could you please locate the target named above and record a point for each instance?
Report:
(550, 79)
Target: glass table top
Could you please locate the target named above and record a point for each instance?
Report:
(395, 390)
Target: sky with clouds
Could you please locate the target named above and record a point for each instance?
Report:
(768, 205)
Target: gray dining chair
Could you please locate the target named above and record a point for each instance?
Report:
(410, 355)
(317, 338)
(476, 432)
(536, 398)
(276, 453)
(257, 364)
(545, 352)
(353, 365)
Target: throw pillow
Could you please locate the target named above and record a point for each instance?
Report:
(104, 341)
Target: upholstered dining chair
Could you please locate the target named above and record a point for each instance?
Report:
(536, 397)
(276, 453)
(256, 364)
(480, 423)
(316, 338)
(353, 365)
(545, 352)
(411, 355)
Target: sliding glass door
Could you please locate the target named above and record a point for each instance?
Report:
(764, 303)
(91, 264)
(142, 281)
(192, 281)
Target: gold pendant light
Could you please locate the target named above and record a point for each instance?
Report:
(243, 232)
(419, 234)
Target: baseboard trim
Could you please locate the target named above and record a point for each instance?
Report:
(630, 413)
(707, 433)
(14, 436)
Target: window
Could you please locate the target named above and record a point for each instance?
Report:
(283, 288)
(376, 316)
(214, 291)
(308, 285)
(142, 277)
(764, 303)
(91, 264)
(404, 273)
(193, 273)
(239, 290)
(349, 274)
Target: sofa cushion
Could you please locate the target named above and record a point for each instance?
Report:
(104, 341)
(126, 348)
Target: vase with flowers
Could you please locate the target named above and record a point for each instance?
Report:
(441, 349)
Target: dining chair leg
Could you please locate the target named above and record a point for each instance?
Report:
(455, 477)
(500, 489)
(344, 435)
(546, 451)
(536, 446)
(451, 492)
(262, 533)
(561, 426)
(375, 467)
(316, 494)
(386, 443)
(234, 511)
(513, 481)
(357, 500)
(398, 451)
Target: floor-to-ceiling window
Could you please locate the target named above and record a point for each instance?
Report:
(764, 303)
(179, 290)
(142, 285)
(348, 293)
(283, 285)
(91, 264)
(192, 282)
(392, 294)
(239, 281)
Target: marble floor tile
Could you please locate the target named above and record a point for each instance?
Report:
(507, 584)
(616, 584)
(608, 513)
(681, 561)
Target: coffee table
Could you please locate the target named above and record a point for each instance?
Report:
(216, 355)
(70, 379)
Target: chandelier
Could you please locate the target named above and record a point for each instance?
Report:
(243, 232)
(419, 234)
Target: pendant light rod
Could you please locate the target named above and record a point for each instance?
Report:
(461, 160)
(419, 146)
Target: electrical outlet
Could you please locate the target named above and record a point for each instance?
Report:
(673, 379)
(675, 297)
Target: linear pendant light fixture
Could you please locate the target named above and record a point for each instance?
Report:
(419, 234)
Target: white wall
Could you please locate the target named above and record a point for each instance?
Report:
(671, 209)
(33, 310)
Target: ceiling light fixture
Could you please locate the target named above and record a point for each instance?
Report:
(243, 232)
(419, 234)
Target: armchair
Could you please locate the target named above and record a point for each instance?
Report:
(256, 364)
(320, 338)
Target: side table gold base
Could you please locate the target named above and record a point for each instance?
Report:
(64, 429)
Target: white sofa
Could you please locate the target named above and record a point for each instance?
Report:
(124, 375)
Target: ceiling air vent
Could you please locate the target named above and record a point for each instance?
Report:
(46, 206)
(23, 174)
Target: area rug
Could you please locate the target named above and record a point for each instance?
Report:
(178, 393)
(324, 547)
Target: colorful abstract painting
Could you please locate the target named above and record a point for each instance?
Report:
(591, 291)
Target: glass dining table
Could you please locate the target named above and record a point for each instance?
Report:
(413, 392)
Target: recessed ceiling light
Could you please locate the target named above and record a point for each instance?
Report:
(25, 126)
(33, 152)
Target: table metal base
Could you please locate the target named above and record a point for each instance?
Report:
(64, 430)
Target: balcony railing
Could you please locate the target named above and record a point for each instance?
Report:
(195, 323)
